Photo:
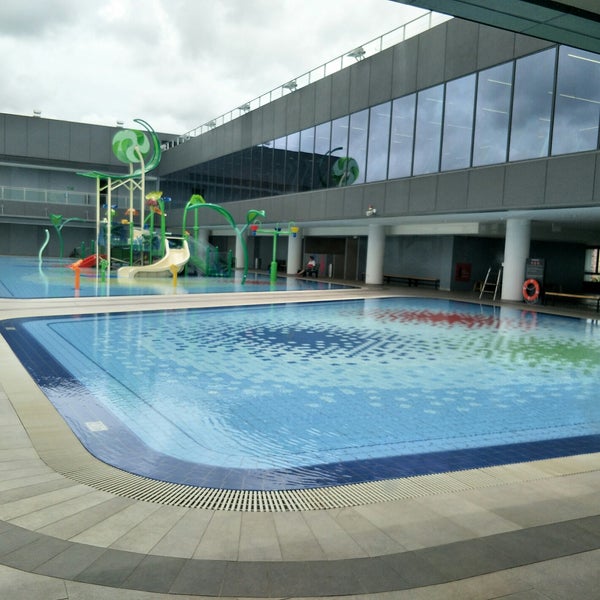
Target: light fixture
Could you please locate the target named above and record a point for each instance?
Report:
(371, 211)
(211, 124)
(290, 85)
(37, 113)
(244, 107)
(357, 53)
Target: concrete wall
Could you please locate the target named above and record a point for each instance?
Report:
(18, 239)
(62, 142)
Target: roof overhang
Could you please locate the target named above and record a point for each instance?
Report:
(571, 22)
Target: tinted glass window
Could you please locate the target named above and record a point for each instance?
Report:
(532, 106)
(357, 148)
(267, 168)
(401, 136)
(458, 123)
(379, 140)
(339, 150)
(246, 187)
(291, 162)
(577, 107)
(494, 92)
(306, 159)
(322, 152)
(428, 132)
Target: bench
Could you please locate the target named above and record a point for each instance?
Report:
(412, 280)
(314, 271)
(566, 295)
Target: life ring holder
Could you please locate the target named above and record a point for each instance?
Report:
(531, 291)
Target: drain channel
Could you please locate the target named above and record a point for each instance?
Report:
(109, 479)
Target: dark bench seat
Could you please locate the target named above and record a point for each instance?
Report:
(569, 296)
(412, 280)
(314, 272)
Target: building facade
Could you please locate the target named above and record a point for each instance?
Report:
(459, 149)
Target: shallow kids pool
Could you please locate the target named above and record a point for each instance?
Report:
(25, 277)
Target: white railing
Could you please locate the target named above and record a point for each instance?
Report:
(22, 194)
(387, 40)
(41, 196)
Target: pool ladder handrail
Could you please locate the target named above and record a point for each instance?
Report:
(491, 284)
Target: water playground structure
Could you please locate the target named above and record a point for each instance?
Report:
(139, 244)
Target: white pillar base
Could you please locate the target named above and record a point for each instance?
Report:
(375, 252)
(516, 251)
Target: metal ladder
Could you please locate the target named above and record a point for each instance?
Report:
(491, 282)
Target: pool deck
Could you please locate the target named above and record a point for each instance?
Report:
(522, 532)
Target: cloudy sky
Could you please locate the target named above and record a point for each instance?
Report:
(174, 63)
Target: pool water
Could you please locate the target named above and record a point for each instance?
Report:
(25, 277)
(309, 394)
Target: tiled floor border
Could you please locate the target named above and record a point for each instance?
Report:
(45, 555)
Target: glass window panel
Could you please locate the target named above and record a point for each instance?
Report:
(379, 140)
(459, 108)
(355, 166)
(532, 106)
(226, 169)
(322, 151)
(339, 136)
(577, 108)
(278, 172)
(280, 143)
(253, 171)
(233, 172)
(339, 150)
(428, 131)
(323, 138)
(402, 136)
(291, 162)
(307, 140)
(306, 159)
(492, 117)
(246, 183)
(293, 142)
(267, 168)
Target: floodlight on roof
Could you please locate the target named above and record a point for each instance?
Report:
(357, 53)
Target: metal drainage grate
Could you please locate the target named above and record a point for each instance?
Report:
(121, 483)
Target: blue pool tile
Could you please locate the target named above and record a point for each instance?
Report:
(222, 367)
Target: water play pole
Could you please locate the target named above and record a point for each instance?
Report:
(43, 246)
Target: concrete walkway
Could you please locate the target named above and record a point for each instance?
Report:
(524, 532)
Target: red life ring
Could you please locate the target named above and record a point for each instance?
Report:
(531, 291)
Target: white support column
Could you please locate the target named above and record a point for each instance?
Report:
(375, 251)
(239, 253)
(516, 251)
(294, 254)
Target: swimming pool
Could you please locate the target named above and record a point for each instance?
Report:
(318, 394)
(24, 277)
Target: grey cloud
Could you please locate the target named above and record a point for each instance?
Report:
(23, 18)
